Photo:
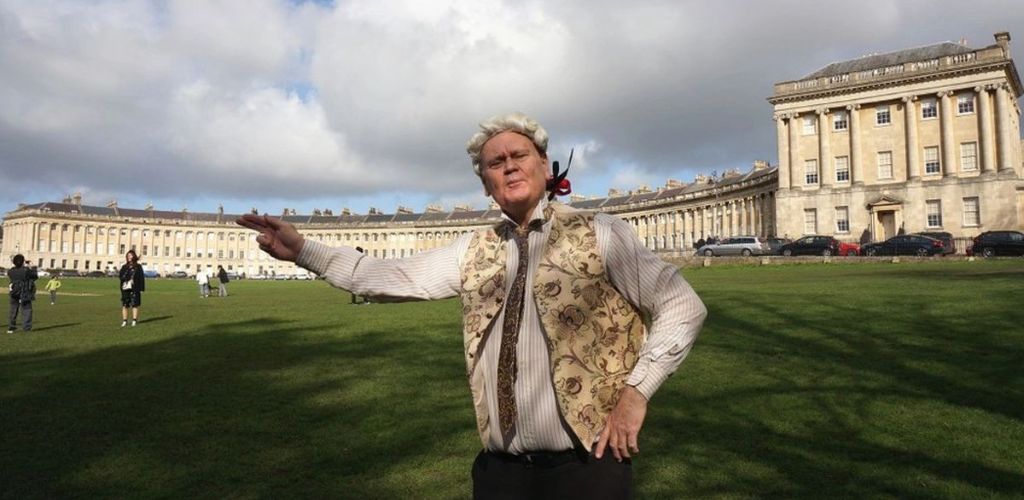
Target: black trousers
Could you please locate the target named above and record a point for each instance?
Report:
(26, 314)
(502, 477)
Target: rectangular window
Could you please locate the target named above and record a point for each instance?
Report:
(145, 250)
(220, 254)
(839, 121)
(177, 251)
(931, 160)
(123, 251)
(842, 219)
(167, 251)
(968, 156)
(933, 211)
(965, 104)
(929, 109)
(882, 116)
(811, 172)
(885, 164)
(808, 128)
(972, 216)
(810, 221)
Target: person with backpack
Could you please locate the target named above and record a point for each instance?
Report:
(22, 291)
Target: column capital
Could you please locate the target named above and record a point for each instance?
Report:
(822, 111)
(852, 107)
(909, 98)
(944, 93)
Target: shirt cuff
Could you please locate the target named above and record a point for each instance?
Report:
(314, 256)
(647, 377)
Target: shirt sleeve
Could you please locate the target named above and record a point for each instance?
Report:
(657, 289)
(429, 275)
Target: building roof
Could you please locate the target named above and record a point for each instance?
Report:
(875, 61)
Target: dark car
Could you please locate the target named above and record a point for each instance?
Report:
(811, 245)
(905, 244)
(948, 246)
(993, 243)
(95, 274)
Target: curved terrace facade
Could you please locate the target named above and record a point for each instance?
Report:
(72, 235)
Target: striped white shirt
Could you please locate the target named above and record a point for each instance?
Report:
(652, 285)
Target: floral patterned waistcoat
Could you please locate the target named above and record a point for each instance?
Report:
(593, 334)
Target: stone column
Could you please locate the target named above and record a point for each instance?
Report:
(687, 229)
(948, 149)
(794, 148)
(910, 123)
(782, 136)
(1003, 136)
(985, 155)
(824, 155)
(856, 170)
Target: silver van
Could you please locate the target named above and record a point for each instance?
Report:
(737, 245)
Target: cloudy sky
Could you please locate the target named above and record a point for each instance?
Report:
(368, 103)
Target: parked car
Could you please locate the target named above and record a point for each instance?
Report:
(151, 274)
(948, 246)
(905, 244)
(774, 244)
(178, 274)
(993, 243)
(811, 245)
(737, 245)
(96, 274)
(849, 249)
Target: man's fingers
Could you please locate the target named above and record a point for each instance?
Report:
(248, 220)
(601, 442)
(634, 445)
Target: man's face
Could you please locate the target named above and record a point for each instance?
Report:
(514, 173)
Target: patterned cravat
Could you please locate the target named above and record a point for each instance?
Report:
(509, 338)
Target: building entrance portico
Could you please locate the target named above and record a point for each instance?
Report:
(886, 218)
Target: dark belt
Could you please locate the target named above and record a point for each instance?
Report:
(542, 459)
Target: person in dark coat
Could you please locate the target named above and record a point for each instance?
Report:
(133, 283)
(222, 275)
(699, 244)
(22, 291)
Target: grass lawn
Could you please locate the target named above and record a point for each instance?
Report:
(809, 381)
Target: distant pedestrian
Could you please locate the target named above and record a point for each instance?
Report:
(22, 291)
(204, 283)
(222, 276)
(700, 243)
(52, 286)
(133, 283)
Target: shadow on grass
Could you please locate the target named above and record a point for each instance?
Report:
(249, 409)
(154, 320)
(54, 327)
(839, 400)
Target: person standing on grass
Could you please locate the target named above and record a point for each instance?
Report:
(204, 283)
(133, 283)
(22, 291)
(222, 276)
(52, 286)
(559, 359)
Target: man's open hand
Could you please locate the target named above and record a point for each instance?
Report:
(623, 425)
(277, 238)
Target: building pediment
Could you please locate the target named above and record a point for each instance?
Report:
(884, 201)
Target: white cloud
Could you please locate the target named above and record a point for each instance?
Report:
(246, 100)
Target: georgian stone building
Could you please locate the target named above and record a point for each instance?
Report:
(924, 139)
(72, 235)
